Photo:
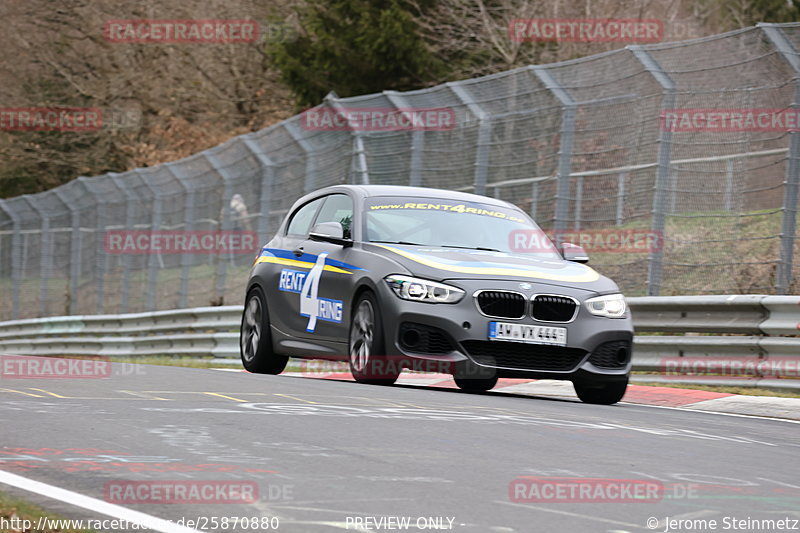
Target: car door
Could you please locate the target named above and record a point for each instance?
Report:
(328, 286)
(289, 269)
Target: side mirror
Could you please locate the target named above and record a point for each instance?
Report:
(573, 252)
(331, 232)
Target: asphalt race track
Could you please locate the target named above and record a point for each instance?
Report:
(329, 455)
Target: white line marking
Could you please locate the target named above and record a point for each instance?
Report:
(93, 504)
(779, 483)
(685, 409)
(689, 410)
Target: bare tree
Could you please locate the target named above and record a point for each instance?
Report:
(475, 35)
(173, 99)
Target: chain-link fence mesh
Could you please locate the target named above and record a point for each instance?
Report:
(580, 145)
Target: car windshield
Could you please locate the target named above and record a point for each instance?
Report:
(456, 224)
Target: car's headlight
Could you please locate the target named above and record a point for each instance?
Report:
(610, 305)
(423, 290)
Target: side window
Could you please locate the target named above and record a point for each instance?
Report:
(303, 217)
(338, 208)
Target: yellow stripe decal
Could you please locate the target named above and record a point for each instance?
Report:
(296, 263)
(587, 276)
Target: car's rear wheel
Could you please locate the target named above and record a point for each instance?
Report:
(602, 394)
(368, 362)
(255, 340)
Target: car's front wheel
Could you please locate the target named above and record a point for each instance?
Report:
(368, 362)
(602, 394)
(475, 384)
(255, 340)
(473, 378)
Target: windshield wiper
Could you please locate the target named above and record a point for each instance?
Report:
(471, 248)
(400, 242)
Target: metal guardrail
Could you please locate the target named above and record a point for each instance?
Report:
(759, 327)
(752, 314)
(199, 331)
(754, 325)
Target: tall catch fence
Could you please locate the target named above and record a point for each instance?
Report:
(581, 145)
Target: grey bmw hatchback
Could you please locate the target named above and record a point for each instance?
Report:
(391, 278)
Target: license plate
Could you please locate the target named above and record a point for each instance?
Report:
(504, 331)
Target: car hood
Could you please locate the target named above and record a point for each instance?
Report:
(440, 264)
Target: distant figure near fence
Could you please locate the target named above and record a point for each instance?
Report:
(239, 217)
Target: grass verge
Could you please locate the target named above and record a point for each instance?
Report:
(15, 513)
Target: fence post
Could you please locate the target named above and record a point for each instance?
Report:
(783, 277)
(310, 181)
(359, 170)
(569, 108)
(267, 178)
(101, 258)
(187, 260)
(227, 194)
(360, 162)
(107, 257)
(728, 184)
(75, 243)
(130, 221)
(16, 260)
(417, 147)
(621, 198)
(673, 192)
(46, 255)
(417, 143)
(656, 260)
(154, 260)
(484, 136)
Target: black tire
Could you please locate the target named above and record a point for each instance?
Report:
(475, 384)
(475, 378)
(366, 344)
(602, 394)
(255, 338)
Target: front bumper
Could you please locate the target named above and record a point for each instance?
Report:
(453, 338)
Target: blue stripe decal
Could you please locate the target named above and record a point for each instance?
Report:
(309, 258)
